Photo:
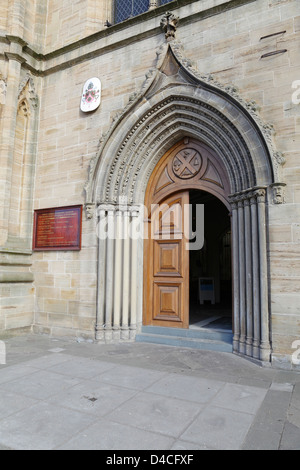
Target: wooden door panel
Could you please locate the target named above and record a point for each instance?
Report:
(167, 302)
(167, 222)
(167, 260)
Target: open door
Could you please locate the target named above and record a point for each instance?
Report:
(166, 299)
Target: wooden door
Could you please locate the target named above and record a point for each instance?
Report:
(166, 298)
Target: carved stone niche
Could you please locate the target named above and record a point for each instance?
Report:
(278, 193)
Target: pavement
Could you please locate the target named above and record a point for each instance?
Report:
(60, 394)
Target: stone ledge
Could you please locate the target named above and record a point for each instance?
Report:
(15, 277)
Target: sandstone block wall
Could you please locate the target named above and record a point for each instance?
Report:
(230, 39)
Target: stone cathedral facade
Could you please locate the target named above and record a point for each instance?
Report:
(115, 106)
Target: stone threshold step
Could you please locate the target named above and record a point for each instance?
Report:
(191, 333)
(184, 342)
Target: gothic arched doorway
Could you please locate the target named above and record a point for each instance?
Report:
(185, 187)
(240, 167)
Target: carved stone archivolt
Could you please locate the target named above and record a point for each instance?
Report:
(169, 106)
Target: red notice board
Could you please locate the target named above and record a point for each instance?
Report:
(57, 228)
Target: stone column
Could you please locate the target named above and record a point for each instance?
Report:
(117, 273)
(126, 276)
(255, 277)
(242, 276)
(109, 274)
(265, 349)
(249, 292)
(118, 276)
(134, 255)
(236, 289)
(100, 319)
(250, 274)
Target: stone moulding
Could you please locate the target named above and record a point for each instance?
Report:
(195, 78)
(17, 277)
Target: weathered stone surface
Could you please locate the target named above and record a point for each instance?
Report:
(49, 52)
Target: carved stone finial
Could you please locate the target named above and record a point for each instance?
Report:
(169, 25)
(153, 4)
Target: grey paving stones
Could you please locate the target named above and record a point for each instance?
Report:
(43, 426)
(162, 415)
(219, 428)
(106, 434)
(142, 397)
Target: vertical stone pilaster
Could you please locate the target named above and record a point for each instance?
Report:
(16, 16)
(7, 140)
(15, 29)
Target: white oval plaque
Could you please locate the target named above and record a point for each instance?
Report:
(91, 95)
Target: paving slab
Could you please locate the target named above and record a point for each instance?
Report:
(92, 398)
(219, 429)
(106, 434)
(42, 426)
(56, 393)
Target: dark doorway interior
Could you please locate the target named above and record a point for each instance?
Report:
(210, 267)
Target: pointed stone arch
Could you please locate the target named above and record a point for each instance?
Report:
(177, 101)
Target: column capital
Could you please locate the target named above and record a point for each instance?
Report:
(260, 194)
